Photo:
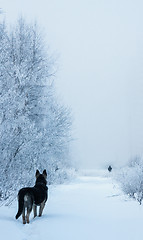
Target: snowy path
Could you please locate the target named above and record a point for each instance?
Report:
(89, 208)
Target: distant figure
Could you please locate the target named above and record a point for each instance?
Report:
(109, 168)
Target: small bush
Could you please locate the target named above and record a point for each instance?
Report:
(130, 179)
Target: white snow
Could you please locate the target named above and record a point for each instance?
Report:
(91, 207)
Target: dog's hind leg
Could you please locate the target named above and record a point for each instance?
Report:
(28, 203)
(35, 210)
(29, 209)
(42, 205)
(23, 216)
(27, 216)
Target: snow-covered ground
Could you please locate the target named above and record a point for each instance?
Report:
(91, 207)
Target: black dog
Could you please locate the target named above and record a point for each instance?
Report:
(31, 197)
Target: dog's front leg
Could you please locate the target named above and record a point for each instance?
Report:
(35, 210)
(42, 205)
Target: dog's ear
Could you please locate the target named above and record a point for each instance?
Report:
(45, 173)
(37, 173)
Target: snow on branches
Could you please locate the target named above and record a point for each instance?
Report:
(130, 178)
(34, 128)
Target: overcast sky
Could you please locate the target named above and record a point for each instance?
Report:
(100, 44)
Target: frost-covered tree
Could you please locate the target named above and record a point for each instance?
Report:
(34, 127)
(130, 178)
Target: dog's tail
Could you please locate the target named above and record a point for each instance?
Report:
(20, 204)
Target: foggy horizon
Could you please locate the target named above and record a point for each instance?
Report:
(100, 72)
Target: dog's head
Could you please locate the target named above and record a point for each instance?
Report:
(41, 177)
(38, 174)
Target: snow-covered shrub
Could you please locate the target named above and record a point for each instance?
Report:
(130, 178)
(35, 129)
